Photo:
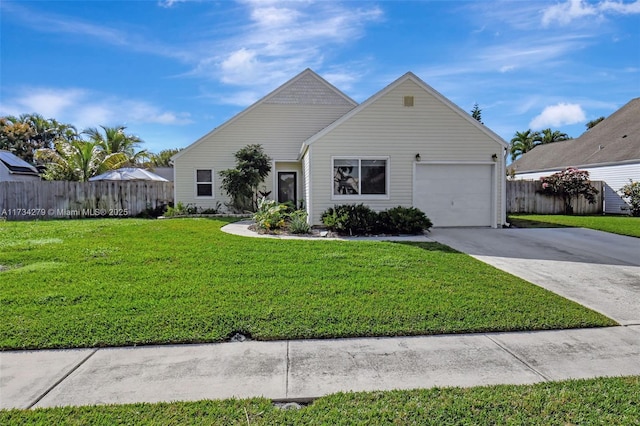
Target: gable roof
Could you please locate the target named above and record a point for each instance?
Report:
(615, 139)
(408, 76)
(307, 88)
(16, 164)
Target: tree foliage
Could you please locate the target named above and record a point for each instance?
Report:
(523, 142)
(25, 134)
(591, 124)
(163, 158)
(114, 140)
(65, 152)
(476, 113)
(241, 184)
(569, 184)
(631, 192)
(78, 160)
(550, 136)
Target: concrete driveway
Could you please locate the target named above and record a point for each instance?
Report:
(596, 269)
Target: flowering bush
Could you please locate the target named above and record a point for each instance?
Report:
(567, 184)
(270, 215)
(631, 192)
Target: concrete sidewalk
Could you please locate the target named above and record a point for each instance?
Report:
(303, 369)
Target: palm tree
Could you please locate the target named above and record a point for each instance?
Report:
(523, 142)
(29, 132)
(78, 160)
(115, 140)
(163, 158)
(549, 136)
(591, 124)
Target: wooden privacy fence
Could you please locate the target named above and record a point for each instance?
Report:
(62, 199)
(523, 196)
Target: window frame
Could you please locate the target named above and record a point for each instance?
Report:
(360, 196)
(196, 183)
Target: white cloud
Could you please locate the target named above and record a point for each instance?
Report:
(558, 115)
(621, 7)
(239, 66)
(48, 102)
(274, 16)
(84, 108)
(281, 39)
(571, 10)
(170, 3)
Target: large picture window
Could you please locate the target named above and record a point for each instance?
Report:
(359, 176)
(204, 183)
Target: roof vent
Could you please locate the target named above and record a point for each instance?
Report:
(408, 101)
(624, 136)
(600, 147)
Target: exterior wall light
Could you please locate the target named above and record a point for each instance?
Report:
(494, 157)
(418, 157)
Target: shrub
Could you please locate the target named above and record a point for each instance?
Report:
(298, 222)
(180, 210)
(241, 184)
(403, 220)
(567, 184)
(270, 215)
(153, 212)
(352, 219)
(631, 191)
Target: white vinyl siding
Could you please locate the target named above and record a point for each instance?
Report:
(386, 128)
(306, 184)
(615, 177)
(280, 129)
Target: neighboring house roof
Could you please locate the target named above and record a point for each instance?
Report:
(128, 173)
(390, 87)
(307, 88)
(16, 164)
(614, 140)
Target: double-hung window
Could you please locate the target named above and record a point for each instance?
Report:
(360, 177)
(204, 183)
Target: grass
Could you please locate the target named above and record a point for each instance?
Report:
(610, 401)
(623, 225)
(95, 283)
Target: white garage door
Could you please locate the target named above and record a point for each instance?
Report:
(455, 194)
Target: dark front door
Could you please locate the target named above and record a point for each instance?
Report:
(287, 184)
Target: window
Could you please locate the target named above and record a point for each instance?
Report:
(359, 176)
(204, 183)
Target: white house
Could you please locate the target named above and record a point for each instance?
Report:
(610, 152)
(406, 145)
(15, 169)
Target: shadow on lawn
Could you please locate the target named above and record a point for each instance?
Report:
(526, 223)
(429, 246)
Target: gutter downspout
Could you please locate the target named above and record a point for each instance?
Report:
(504, 188)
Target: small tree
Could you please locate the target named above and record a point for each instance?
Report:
(631, 192)
(241, 183)
(568, 184)
(476, 112)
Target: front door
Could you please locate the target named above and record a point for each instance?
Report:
(287, 185)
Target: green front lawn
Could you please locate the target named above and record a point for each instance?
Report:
(608, 401)
(88, 283)
(623, 225)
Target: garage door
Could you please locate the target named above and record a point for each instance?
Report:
(455, 194)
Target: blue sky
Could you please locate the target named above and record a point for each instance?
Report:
(173, 70)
